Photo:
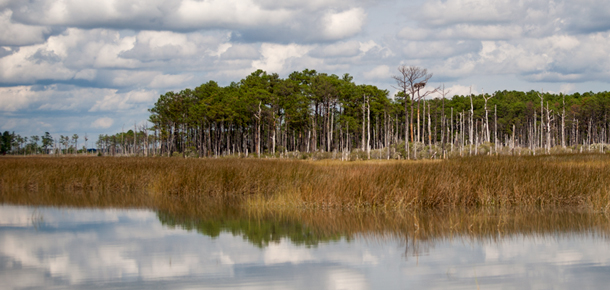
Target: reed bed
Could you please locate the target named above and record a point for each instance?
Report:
(504, 182)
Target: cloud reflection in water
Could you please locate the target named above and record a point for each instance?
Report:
(92, 248)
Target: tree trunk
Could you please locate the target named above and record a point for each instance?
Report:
(363, 122)
(548, 128)
(451, 130)
(273, 136)
(563, 128)
(471, 127)
(368, 129)
(258, 131)
(429, 130)
(407, 149)
(496, 128)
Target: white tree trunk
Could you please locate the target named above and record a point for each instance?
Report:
(496, 128)
(563, 127)
(471, 135)
(429, 130)
(368, 129)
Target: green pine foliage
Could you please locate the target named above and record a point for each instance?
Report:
(311, 112)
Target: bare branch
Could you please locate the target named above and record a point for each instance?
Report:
(412, 79)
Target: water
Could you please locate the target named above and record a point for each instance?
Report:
(104, 248)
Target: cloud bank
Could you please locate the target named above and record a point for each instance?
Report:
(70, 63)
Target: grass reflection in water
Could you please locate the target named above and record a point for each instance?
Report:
(416, 230)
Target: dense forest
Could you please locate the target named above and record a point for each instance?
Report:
(312, 114)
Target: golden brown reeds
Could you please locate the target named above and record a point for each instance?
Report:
(498, 182)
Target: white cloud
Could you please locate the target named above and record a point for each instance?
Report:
(245, 16)
(86, 58)
(127, 78)
(161, 45)
(19, 34)
(102, 123)
(75, 100)
(455, 67)
(463, 31)
(113, 101)
(17, 98)
(222, 48)
(86, 74)
(307, 6)
(367, 46)
(415, 33)
(461, 90)
(438, 49)
(32, 63)
(65, 55)
(440, 13)
(339, 49)
(276, 55)
(86, 13)
(165, 81)
(563, 42)
(241, 51)
(343, 24)
(567, 88)
(107, 54)
(229, 13)
(379, 72)
(557, 57)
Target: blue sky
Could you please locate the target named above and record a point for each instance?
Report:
(80, 66)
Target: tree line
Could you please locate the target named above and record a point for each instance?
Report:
(15, 144)
(316, 112)
(310, 113)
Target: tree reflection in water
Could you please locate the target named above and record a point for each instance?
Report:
(417, 231)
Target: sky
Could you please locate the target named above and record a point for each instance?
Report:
(95, 67)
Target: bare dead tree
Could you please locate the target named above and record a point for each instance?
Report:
(541, 96)
(496, 128)
(549, 118)
(443, 94)
(451, 130)
(563, 127)
(487, 137)
(429, 129)
(368, 128)
(410, 81)
(471, 125)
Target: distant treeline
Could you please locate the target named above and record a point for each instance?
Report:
(317, 114)
(15, 144)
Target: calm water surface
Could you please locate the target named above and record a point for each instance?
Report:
(47, 247)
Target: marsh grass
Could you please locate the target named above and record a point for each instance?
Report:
(308, 202)
(505, 182)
